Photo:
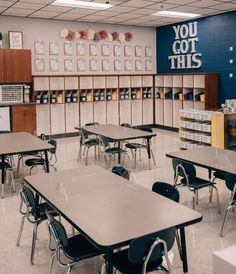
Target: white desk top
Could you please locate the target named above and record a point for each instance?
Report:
(208, 157)
(118, 133)
(107, 208)
(12, 143)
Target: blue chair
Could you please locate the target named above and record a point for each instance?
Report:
(230, 182)
(167, 190)
(28, 199)
(188, 178)
(121, 171)
(75, 248)
(145, 253)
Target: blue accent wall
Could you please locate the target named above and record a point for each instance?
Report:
(216, 34)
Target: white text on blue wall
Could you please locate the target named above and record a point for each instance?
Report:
(184, 50)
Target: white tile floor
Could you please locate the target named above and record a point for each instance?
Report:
(202, 238)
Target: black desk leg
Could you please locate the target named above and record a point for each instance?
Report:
(119, 153)
(3, 176)
(209, 174)
(149, 152)
(109, 262)
(183, 250)
(46, 161)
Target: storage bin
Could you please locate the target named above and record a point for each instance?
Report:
(182, 113)
(206, 127)
(59, 98)
(39, 98)
(206, 115)
(190, 145)
(206, 139)
(198, 115)
(190, 135)
(190, 114)
(197, 137)
(74, 97)
(183, 134)
(189, 125)
(182, 123)
(197, 126)
(183, 145)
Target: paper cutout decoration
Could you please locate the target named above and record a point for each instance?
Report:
(80, 49)
(81, 65)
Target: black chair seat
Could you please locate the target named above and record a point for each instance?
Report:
(92, 142)
(35, 161)
(42, 208)
(80, 248)
(196, 182)
(122, 263)
(114, 150)
(219, 175)
(134, 145)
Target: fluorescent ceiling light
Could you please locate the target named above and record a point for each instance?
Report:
(81, 4)
(175, 14)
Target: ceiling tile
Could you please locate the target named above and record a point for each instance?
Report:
(5, 3)
(179, 2)
(161, 6)
(136, 3)
(46, 13)
(128, 16)
(31, 6)
(17, 12)
(204, 3)
(107, 13)
(56, 8)
(225, 6)
(121, 9)
(142, 11)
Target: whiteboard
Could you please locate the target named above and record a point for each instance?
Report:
(5, 118)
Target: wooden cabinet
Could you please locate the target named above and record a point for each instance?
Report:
(15, 66)
(24, 118)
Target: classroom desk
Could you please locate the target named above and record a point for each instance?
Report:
(21, 142)
(211, 158)
(109, 210)
(119, 133)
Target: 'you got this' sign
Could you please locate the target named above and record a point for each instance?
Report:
(184, 47)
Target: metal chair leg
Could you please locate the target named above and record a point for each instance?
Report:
(217, 196)
(51, 263)
(20, 230)
(34, 242)
(69, 269)
(153, 158)
(86, 158)
(3, 193)
(194, 199)
(225, 217)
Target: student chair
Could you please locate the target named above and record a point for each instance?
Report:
(28, 199)
(121, 171)
(188, 178)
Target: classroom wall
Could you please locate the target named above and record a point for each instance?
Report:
(47, 30)
(216, 45)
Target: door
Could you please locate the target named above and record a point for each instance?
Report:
(24, 119)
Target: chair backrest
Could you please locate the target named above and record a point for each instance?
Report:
(42, 136)
(83, 134)
(126, 125)
(121, 171)
(104, 141)
(92, 124)
(28, 198)
(230, 181)
(167, 190)
(53, 142)
(183, 168)
(139, 247)
(58, 231)
(147, 129)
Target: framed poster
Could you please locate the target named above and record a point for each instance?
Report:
(117, 50)
(93, 50)
(128, 65)
(105, 50)
(53, 64)
(138, 65)
(93, 65)
(138, 51)
(81, 65)
(105, 65)
(39, 64)
(80, 49)
(68, 65)
(127, 51)
(68, 50)
(117, 65)
(15, 39)
(148, 51)
(53, 48)
(148, 65)
(39, 48)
